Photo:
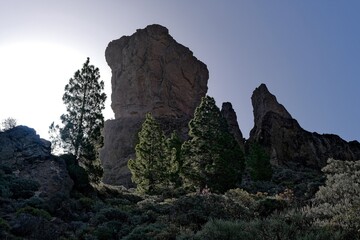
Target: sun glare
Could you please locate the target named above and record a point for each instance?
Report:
(33, 76)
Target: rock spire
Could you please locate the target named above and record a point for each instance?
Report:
(151, 72)
(287, 142)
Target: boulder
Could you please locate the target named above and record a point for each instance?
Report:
(29, 157)
(287, 142)
(151, 72)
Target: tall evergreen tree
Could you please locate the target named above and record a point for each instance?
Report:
(173, 156)
(211, 157)
(81, 128)
(151, 168)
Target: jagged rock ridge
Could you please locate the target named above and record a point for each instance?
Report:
(151, 72)
(287, 142)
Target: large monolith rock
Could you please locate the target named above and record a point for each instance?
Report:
(151, 72)
(29, 157)
(287, 142)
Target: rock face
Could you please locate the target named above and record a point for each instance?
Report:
(29, 157)
(151, 72)
(229, 114)
(287, 142)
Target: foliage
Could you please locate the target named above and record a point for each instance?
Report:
(192, 211)
(77, 173)
(150, 232)
(173, 156)
(16, 187)
(35, 212)
(151, 168)
(82, 124)
(275, 227)
(258, 162)
(241, 197)
(265, 207)
(211, 157)
(338, 202)
(8, 123)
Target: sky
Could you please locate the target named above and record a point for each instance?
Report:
(307, 53)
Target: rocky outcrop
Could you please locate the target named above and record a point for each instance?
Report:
(287, 142)
(29, 157)
(151, 72)
(230, 116)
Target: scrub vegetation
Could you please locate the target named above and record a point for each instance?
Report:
(201, 188)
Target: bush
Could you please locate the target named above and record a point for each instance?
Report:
(241, 197)
(150, 232)
(35, 212)
(267, 206)
(194, 211)
(338, 202)
(258, 162)
(110, 214)
(280, 227)
(23, 188)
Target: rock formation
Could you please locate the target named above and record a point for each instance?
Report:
(151, 72)
(287, 142)
(229, 114)
(29, 157)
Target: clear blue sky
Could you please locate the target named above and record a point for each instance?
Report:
(307, 52)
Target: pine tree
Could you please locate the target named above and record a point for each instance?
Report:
(258, 162)
(151, 168)
(173, 156)
(211, 157)
(81, 128)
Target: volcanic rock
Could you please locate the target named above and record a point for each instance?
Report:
(230, 116)
(29, 157)
(285, 140)
(151, 72)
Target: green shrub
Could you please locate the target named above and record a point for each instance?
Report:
(258, 161)
(241, 197)
(105, 233)
(35, 212)
(110, 214)
(193, 211)
(267, 206)
(150, 232)
(23, 188)
(87, 203)
(338, 202)
(279, 227)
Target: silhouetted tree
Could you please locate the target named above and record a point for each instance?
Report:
(211, 157)
(81, 128)
(8, 123)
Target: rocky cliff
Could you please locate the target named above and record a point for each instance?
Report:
(29, 158)
(230, 116)
(151, 72)
(287, 142)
